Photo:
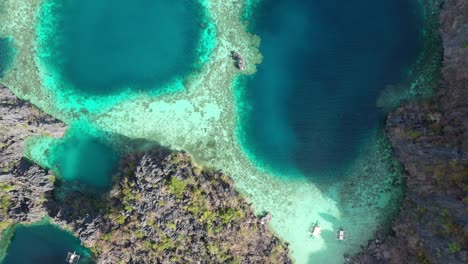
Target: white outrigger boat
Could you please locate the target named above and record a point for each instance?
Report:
(316, 230)
(72, 258)
(341, 235)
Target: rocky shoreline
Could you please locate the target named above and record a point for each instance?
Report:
(23, 185)
(161, 207)
(166, 209)
(430, 138)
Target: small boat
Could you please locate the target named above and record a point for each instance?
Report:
(316, 230)
(72, 258)
(240, 62)
(341, 234)
(265, 219)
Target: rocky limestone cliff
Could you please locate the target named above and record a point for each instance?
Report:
(431, 140)
(166, 209)
(23, 185)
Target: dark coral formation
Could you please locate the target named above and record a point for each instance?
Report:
(239, 59)
(431, 140)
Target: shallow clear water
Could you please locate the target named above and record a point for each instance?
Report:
(324, 65)
(43, 243)
(101, 47)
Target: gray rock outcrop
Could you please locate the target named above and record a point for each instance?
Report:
(23, 185)
(166, 209)
(431, 140)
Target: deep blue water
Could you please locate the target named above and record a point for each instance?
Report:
(6, 54)
(43, 244)
(314, 96)
(104, 46)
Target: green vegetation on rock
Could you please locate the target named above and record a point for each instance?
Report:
(5, 204)
(454, 247)
(159, 210)
(177, 187)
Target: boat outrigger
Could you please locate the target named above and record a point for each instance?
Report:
(315, 231)
(72, 258)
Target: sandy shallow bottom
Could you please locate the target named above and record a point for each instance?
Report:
(201, 118)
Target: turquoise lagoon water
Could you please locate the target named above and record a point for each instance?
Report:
(43, 243)
(85, 159)
(314, 96)
(6, 54)
(308, 116)
(103, 47)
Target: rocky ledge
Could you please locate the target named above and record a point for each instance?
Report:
(23, 185)
(163, 208)
(166, 209)
(431, 140)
